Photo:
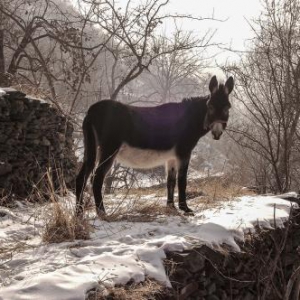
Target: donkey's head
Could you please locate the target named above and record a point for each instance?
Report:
(218, 106)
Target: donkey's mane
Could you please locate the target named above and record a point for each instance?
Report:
(221, 87)
(195, 99)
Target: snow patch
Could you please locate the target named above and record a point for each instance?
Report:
(119, 252)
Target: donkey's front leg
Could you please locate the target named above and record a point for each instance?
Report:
(182, 179)
(171, 182)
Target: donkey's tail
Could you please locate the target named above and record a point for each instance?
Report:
(90, 147)
(88, 163)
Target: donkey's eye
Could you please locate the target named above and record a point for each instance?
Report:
(226, 111)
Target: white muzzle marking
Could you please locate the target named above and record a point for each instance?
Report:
(217, 130)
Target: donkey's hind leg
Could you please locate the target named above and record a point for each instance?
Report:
(104, 165)
(81, 180)
(171, 181)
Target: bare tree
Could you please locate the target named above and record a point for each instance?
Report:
(77, 56)
(47, 46)
(268, 81)
(137, 41)
(176, 75)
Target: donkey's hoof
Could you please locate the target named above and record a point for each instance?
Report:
(101, 214)
(189, 213)
(187, 210)
(171, 209)
(171, 206)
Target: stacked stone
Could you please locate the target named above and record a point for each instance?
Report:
(260, 271)
(34, 137)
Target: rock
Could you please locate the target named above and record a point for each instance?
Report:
(5, 168)
(211, 289)
(188, 290)
(249, 296)
(13, 94)
(212, 297)
(61, 137)
(195, 262)
(45, 142)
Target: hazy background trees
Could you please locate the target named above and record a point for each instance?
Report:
(268, 86)
(76, 53)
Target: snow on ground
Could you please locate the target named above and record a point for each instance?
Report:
(2, 92)
(117, 251)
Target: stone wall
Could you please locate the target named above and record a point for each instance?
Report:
(264, 269)
(34, 137)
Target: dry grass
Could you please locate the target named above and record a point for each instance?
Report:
(5, 200)
(215, 191)
(140, 210)
(147, 290)
(61, 224)
(214, 187)
(159, 190)
(210, 192)
(31, 90)
(8, 250)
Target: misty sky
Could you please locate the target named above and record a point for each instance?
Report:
(233, 31)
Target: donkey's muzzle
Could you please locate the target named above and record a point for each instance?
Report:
(217, 129)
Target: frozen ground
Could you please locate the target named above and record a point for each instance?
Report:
(117, 251)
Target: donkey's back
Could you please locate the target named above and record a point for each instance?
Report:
(158, 128)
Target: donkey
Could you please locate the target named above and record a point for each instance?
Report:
(146, 137)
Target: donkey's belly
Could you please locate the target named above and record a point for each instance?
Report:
(143, 158)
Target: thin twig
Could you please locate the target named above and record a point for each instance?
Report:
(295, 276)
(277, 257)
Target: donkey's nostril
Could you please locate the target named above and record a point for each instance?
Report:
(217, 130)
(216, 137)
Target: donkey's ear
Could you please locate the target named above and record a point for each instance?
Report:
(213, 85)
(229, 85)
